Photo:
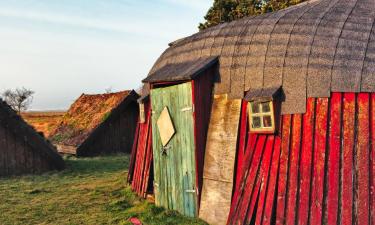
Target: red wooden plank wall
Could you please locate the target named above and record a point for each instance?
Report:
(141, 159)
(319, 168)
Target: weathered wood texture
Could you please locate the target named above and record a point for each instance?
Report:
(322, 174)
(202, 101)
(116, 133)
(219, 160)
(175, 164)
(139, 176)
(22, 149)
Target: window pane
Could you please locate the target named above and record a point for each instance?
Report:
(267, 121)
(266, 107)
(255, 107)
(256, 122)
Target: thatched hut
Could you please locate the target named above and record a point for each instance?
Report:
(98, 124)
(22, 149)
(299, 147)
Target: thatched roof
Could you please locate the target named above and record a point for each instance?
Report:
(311, 50)
(181, 71)
(85, 115)
(15, 124)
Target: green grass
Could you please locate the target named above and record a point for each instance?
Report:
(89, 191)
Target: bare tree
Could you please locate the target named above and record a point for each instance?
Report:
(109, 90)
(19, 99)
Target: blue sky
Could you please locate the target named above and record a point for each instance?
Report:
(62, 48)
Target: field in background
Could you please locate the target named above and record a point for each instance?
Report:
(89, 191)
(44, 122)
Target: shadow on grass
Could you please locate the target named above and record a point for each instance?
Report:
(96, 165)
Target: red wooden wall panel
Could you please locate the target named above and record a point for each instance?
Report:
(320, 169)
(140, 166)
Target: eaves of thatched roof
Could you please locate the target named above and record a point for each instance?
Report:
(311, 50)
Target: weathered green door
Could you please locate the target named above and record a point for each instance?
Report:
(174, 163)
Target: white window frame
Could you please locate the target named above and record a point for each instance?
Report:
(261, 114)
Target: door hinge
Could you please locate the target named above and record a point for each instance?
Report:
(191, 108)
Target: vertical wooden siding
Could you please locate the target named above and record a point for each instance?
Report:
(318, 170)
(143, 155)
(117, 135)
(18, 157)
(202, 101)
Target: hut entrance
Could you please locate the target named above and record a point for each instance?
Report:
(174, 148)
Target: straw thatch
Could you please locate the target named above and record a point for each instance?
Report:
(311, 50)
(84, 115)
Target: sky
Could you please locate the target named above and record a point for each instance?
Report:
(63, 48)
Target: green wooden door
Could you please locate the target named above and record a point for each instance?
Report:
(174, 164)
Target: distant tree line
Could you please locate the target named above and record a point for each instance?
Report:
(227, 10)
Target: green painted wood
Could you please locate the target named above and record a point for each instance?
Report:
(174, 172)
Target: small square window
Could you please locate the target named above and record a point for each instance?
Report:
(261, 117)
(255, 107)
(256, 122)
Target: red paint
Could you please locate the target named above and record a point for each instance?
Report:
(250, 181)
(334, 159)
(372, 158)
(362, 148)
(347, 163)
(267, 215)
(306, 162)
(202, 101)
(319, 161)
(283, 171)
(143, 155)
(241, 142)
(293, 170)
(264, 177)
(133, 155)
(343, 127)
(247, 162)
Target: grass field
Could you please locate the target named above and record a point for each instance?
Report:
(89, 191)
(44, 122)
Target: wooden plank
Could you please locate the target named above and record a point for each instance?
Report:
(283, 171)
(146, 173)
(372, 167)
(243, 174)
(347, 159)
(320, 137)
(306, 162)
(362, 160)
(267, 216)
(291, 206)
(175, 167)
(265, 174)
(250, 186)
(219, 160)
(133, 155)
(333, 167)
(241, 143)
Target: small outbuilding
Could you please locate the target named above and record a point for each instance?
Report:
(180, 102)
(291, 128)
(98, 124)
(22, 149)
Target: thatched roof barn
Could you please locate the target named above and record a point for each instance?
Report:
(98, 124)
(306, 78)
(22, 149)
